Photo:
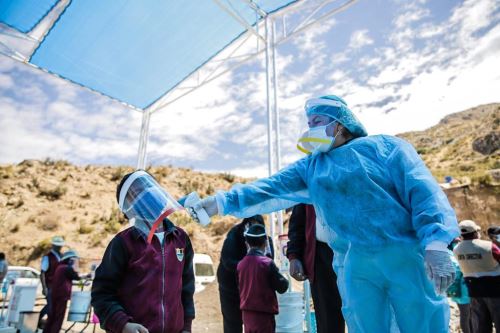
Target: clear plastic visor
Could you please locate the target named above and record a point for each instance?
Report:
(145, 199)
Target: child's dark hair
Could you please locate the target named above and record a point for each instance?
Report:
(256, 218)
(256, 241)
(119, 187)
(2, 256)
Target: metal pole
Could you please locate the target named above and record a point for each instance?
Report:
(143, 140)
(276, 115)
(275, 97)
(269, 116)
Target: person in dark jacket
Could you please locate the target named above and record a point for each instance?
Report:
(233, 251)
(311, 258)
(60, 293)
(145, 283)
(48, 268)
(258, 281)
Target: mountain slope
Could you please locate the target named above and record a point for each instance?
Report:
(39, 199)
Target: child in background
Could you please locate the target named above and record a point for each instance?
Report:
(145, 282)
(60, 293)
(259, 279)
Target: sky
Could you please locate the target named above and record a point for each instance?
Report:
(401, 65)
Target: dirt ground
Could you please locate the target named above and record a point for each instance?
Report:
(209, 317)
(208, 313)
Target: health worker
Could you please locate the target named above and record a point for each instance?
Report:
(376, 193)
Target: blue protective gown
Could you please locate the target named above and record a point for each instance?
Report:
(376, 193)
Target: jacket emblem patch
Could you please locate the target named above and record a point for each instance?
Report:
(179, 252)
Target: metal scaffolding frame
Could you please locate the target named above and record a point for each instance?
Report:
(264, 31)
(315, 12)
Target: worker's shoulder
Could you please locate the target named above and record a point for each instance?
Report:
(472, 244)
(384, 144)
(482, 243)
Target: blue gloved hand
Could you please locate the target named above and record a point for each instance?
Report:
(194, 206)
(440, 269)
(209, 204)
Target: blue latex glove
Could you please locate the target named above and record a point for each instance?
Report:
(440, 269)
(209, 204)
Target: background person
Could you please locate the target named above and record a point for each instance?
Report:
(258, 280)
(4, 267)
(375, 192)
(48, 268)
(233, 251)
(60, 293)
(479, 261)
(494, 235)
(311, 258)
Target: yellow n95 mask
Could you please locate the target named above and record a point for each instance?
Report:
(316, 140)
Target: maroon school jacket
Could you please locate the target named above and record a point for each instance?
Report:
(62, 282)
(259, 279)
(149, 284)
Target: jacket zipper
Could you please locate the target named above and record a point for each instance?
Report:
(163, 286)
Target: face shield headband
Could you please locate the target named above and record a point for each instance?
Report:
(247, 234)
(141, 197)
(322, 102)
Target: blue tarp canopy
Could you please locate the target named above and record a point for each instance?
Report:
(132, 51)
(24, 15)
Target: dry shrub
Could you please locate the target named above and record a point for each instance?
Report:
(49, 223)
(180, 218)
(85, 229)
(228, 177)
(40, 249)
(114, 221)
(56, 164)
(54, 193)
(15, 202)
(220, 228)
(210, 190)
(7, 172)
(190, 186)
(96, 240)
(117, 174)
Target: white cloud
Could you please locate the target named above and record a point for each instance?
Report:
(6, 81)
(412, 12)
(420, 85)
(423, 71)
(360, 39)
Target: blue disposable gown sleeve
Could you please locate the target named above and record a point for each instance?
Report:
(279, 191)
(432, 216)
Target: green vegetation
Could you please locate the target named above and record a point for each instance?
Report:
(85, 229)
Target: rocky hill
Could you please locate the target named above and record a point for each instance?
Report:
(39, 199)
(465, 147)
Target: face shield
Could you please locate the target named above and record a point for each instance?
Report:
(336, 108)
(142, 198)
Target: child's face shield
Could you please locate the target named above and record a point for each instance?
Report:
(141, 197)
